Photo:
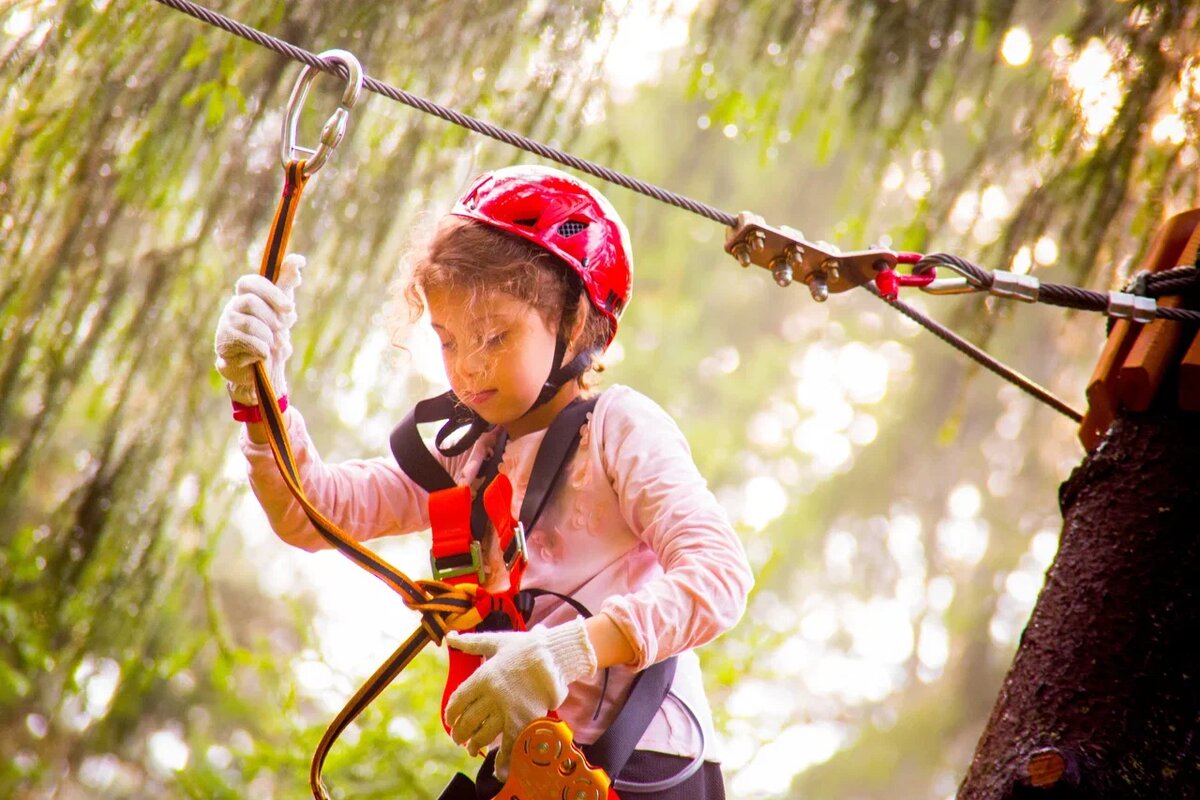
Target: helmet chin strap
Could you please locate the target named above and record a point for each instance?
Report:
(562, 374)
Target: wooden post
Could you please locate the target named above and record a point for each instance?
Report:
(1136, 357)
(1103, 696)
(1189, 377)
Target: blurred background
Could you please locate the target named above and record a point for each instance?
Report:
(898, 504)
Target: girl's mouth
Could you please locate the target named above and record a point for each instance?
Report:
(477, 398)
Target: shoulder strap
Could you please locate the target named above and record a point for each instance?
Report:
(560, 441)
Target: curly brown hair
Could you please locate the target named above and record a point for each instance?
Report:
(472, 258)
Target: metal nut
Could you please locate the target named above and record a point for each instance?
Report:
(818, 287)
(781, 270)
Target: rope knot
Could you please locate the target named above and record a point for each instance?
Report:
(446, 607)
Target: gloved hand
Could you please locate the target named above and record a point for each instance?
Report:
(256, 325)
(524, 675)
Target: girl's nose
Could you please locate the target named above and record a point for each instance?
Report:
(471, 363)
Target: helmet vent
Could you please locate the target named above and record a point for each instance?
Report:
(570, 228)
(528, 223)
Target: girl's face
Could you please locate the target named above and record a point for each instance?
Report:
(498, 352)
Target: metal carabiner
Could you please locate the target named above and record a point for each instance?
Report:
(335, 126)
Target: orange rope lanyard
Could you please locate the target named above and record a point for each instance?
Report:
(442, 606)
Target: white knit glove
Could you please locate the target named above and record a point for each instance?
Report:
(524, 675)
(256, 325)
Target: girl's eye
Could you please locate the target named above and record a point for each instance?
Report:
(496, 339)
(447, 345)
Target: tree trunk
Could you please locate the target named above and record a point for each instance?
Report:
(1103, 697)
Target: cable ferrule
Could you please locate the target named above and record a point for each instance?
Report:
(1015, 286)
(1124, 305)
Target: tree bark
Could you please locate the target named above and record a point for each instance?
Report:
(1103, 697)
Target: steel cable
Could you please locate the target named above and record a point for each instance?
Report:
(450, 115)
(604, 173)
(948, 336)
(1171, 281)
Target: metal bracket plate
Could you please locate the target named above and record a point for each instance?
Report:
(790, 257)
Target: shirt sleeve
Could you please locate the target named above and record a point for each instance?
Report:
(365, 498)
(706, 577)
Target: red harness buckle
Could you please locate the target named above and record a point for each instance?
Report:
(454, 556)
(510, 534)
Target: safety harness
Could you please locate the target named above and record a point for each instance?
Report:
(459, 525)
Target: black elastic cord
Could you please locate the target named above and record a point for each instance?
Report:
(459, 420)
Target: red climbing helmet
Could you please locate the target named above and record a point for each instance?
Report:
(565, 216)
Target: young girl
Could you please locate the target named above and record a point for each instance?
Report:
(524, 283)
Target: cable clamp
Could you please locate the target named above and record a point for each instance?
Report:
(1124, 305)
(1016, 286)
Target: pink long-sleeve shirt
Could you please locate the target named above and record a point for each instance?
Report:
(632, 531)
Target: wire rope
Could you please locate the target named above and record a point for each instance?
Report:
(596, 170)
(1153, 285)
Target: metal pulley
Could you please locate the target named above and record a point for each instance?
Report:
(791, 258)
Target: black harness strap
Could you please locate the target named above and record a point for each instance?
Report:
(409, 448)
(555, 451)
(646, 695)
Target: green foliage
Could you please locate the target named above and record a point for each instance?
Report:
(138, 176)
(139, 618)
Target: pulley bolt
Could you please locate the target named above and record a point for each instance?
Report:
(782, 271)
(758, 240)
(818, 287)
(741, 251)
(830, 267)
